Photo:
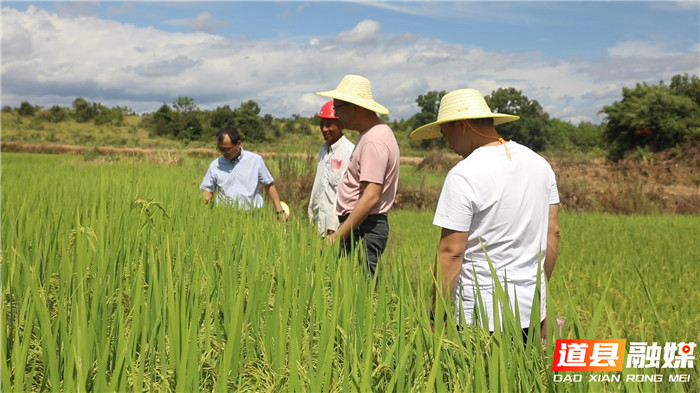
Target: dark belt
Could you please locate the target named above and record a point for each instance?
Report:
(370, 218)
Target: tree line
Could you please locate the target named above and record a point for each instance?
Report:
(82, 111)
(648, 118)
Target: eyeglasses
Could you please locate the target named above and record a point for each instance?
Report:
(225, 149)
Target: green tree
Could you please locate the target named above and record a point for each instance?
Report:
(268, 121)
(124, 110)
(532, 129)
(566, 137)
(118, 114)
(83, 111)
(192, 128)
(26, 109)
(185, 104)
(657, 117)
(57, 114)
(164, 121)
(561, 134)
(687, 86)
(222, 117)
(248, 123)
(588, 136)
(102, 114)
(429, 104)
(182, 123)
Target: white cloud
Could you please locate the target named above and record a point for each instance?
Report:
(50, 59)
(365, 32)
(643, 61)
(16, 39)
(639, 49)
(76, 8)
(204, 22)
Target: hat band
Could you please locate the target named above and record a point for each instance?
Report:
(503, 141)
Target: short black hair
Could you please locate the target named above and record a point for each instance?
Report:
(486, 121)
(232, 134)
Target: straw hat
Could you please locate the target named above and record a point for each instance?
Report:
(356, 90)
(460, 104)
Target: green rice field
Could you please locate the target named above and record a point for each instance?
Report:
(116, 277)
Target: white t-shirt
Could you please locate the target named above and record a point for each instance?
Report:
(504, 205)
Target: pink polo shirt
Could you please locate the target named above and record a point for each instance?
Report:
(374, 160)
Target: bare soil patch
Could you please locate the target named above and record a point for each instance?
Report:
(666, 183)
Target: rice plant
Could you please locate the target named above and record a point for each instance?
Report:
(117, 277)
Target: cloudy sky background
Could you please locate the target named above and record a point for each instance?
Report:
(571, 57)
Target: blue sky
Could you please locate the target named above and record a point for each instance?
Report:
(572, 57)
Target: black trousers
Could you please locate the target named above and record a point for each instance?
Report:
(374, 233)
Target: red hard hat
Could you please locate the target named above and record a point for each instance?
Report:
(327, 111)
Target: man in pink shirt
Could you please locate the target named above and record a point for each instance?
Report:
(369, 186)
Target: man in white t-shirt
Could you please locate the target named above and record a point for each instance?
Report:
(333, 160)
(500, 202)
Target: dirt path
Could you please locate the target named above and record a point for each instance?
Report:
(57, 148)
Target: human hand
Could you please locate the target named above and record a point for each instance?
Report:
(432, 320)
(332, 238)
(543, 329)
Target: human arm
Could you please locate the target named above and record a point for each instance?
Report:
(552, 240)
(208, 184)
(551, 258)
(369, 198)
(449, 261)
(274, 195)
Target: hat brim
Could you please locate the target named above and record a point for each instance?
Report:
(372, 105)
(285, 208)
(432, 130)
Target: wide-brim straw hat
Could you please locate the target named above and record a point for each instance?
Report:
(462, 104)
(356, 90)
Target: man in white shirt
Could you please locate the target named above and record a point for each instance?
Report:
(237, 174)
(333, 161)
(499, 204)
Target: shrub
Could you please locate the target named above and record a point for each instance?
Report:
(438, 160)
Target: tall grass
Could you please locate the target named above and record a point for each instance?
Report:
(118, 278)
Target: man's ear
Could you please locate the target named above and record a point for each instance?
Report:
(462, 125)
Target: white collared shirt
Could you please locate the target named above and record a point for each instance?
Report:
(332, 163)
(236, 182)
